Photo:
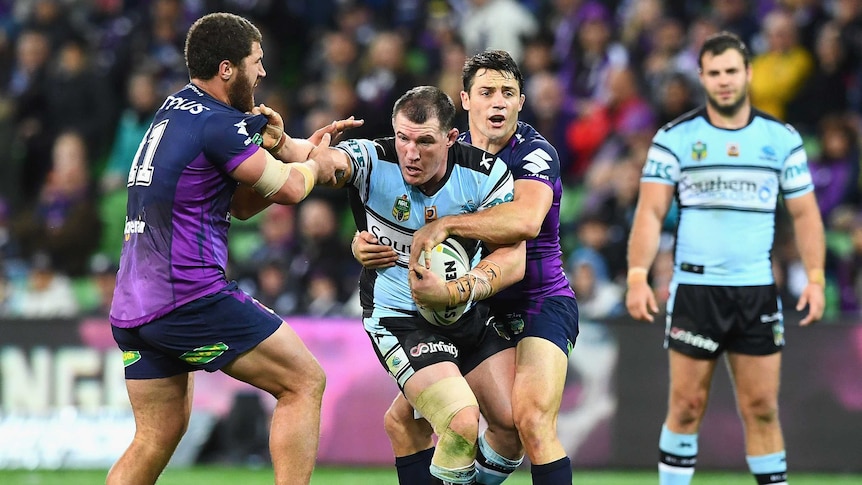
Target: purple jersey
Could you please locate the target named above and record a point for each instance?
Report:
(177, 216)
(530, 157)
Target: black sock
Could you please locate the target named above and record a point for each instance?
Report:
(554, 473)
(414, 469)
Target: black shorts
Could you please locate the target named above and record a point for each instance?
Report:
(704, 321)
(406, 344)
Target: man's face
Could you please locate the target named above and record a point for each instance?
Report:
(725, 79)
(422, 149)
(248, 74)
(493, 103)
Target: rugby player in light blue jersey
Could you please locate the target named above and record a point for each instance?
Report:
(728, 165)
(210, 154)
(396, 186)
(539, 313)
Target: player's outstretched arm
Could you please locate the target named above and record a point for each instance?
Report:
(288, 149)
(503, 267)
(370, 254)
(518, 220)
(653, 202)
(810, 239)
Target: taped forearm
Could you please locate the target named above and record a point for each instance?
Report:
(479, 283)
(275, 174)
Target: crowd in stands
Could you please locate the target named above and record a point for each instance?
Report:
(80, 81)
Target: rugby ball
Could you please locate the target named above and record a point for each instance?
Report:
(449, 260)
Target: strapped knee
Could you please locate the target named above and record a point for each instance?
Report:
(440, 403)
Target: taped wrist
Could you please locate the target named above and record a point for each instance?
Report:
(275, 174)
(306, 172)
(636, 274)
(817, 277)
(280, 143)
(481, 282)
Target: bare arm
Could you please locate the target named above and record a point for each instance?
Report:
(503, 267)
(810, 239)
(653, 203)
(518, 220)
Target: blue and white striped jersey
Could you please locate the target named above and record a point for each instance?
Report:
(728, 184)
(386, 206)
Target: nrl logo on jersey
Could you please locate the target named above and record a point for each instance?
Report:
(698, 151)
(401, 209)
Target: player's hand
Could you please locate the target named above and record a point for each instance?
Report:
(335, 130)
(640, 302)
(370, 254)
(812, 296)
(274, 125)
(329, 162)
(428, 289)
(425, 239)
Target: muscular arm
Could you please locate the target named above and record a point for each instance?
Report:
(653, 203)
(810, 239)
(503, 267)
(518, 220)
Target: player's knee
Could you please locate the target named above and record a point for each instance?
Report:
(533, 417)
(399, 422)
(688, 409)
(759, 411)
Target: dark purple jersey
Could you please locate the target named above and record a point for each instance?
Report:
(177, 216)
(530, 157)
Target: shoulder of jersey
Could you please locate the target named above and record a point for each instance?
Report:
(684, 118)
(386, 149)
(756, 113)
(473, 158)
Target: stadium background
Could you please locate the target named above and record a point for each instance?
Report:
(81, 79)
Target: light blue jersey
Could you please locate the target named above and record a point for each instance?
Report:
(728, 183)
(390, 209)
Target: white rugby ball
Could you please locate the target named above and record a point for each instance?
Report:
(449, 260)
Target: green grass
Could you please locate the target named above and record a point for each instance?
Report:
(377, 476)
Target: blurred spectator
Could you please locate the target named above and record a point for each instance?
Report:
(640, 20)
(828, 84)
(64, 222)
(143, 100)
(676, 97)
(323, 296)
(77, 98)
(497, 24)
(780, 72)
(543, 109)
(28, 88)
(848, 15)
(665, 59)
(736, 16)
(274, 288)
(835, 171)
(334, 57)
(278, 241)
(623, 116)
(383, 80)
(46, 293)
(598, 296)
(449, 78)
(103, 276)
(592, 56)
(538, 56)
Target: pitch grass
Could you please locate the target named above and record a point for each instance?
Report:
(377, 476)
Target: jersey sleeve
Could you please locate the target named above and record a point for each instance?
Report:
(498, 187)
(662, 164)
(361, 154)
(795, 177)
(538, 160)
(230, 138)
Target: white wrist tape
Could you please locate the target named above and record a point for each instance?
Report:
(275, 174)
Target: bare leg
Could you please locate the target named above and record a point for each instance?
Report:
(690, 382)
(492, 382)
(282, 366)
(540, 375)
(756, 380)
(162, 408)
(407, 434)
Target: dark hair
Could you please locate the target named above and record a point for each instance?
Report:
(217, 37)
(422, 103)
(720, 42)
(495, 60)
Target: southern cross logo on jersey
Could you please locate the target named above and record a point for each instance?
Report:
(401, 209)
(698, 151)
(537, 162)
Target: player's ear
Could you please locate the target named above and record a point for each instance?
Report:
(225, 69)
(465, 100)
(451, 137)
